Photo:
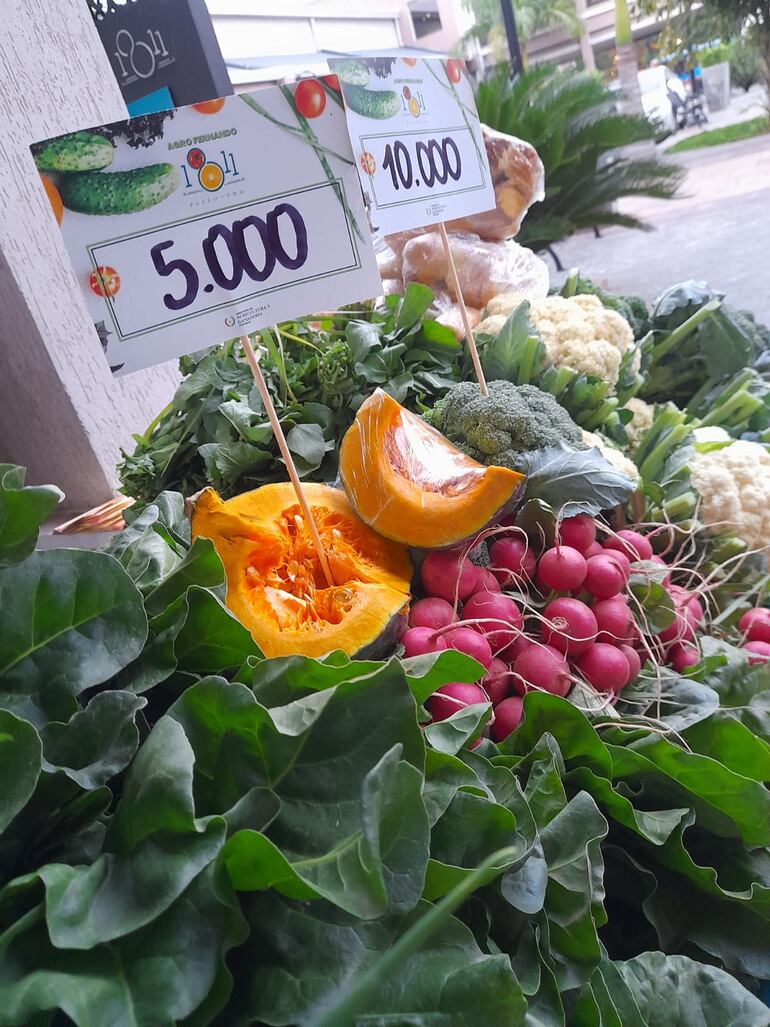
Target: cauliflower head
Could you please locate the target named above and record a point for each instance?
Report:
(640, 423)
(580, 333)
(612, 455)
(734, 486)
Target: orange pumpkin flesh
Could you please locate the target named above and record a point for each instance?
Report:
(411, 484)
(275, 584)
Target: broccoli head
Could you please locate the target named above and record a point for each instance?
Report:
(632, 308)
(501, 427)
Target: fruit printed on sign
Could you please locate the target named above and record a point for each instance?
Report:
(104, 281)
(453, 70)
(368, 163)
(407, 92)
(310, 98)
(196, 158)
(211, 177)
(414, 108)
(332, 82)
(210, 106)
(409, 61)
(54, 198)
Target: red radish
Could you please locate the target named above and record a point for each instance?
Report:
(620, 559)
(595, 549)
(466, 640)
(614, 619)
(491, 608)
(604, 577)
(508, 716)
(432, 613)
(497, 681)
(755, 624)
(632, 543)
(516, 648)
(571, 626)
(453, 697)
(443, 575)
(760, 651)
(682, 629)
(605, 667)
(682, 656)
(485, 581)
(562, 568)
(512, 561)
(634, 660)
(578, 532)
(419, 641)
(543, 667)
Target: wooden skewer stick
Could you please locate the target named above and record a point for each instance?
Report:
(471, 342)
(280, 438)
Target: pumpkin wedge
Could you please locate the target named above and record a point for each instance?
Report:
(411, 484)
(276, 587)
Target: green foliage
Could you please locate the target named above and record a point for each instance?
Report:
(215, 430)
(716, 54)
(23, 508)
(570, 118)
(745, 61)
(719, 136)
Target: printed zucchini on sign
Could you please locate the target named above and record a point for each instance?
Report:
(193, 226)
(417, 139)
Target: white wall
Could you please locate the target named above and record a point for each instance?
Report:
(61, 412)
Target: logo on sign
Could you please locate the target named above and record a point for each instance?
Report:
(230, 322)
(412, 102)
(202, 172)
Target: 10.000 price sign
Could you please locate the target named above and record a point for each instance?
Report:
(242, 253)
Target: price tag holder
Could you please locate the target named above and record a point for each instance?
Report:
(417, 139)
(241, 212)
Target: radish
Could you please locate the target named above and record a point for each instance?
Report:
(497, 681)
(419, 641)
(634, 660)
(443, 575)
(432, 613)
(682, 629)
(578, 532)
(620, 559)
(508, 716)
(571, 626)
(614, 620)
(485, 581)
(595, 549)
(493, 607)
(453, 697)
(760, 651)
(632, 543)
(543, 667)
(512, 561)
(466, 640)
(755, 624)
(605, 667)
(662, 563)
(604, 577)
(516, 648)
(562, 568)
(682, 656)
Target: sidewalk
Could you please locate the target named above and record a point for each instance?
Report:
(742, 107)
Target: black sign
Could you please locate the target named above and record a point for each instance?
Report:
(162, 44)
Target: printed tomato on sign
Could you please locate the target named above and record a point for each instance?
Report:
(310, 98)
(196, 158)
(104, 281)
(453, 70)
(210, 106)
(368, 163)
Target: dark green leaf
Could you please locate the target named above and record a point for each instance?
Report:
(464, 726)
(20, 761)
(573, 482)
(22, 510)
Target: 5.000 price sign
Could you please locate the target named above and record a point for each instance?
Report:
(417, 138)
(239, 213)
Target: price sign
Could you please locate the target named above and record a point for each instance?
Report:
(239, 213)
(417, 139)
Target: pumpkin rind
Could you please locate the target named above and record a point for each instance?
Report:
(411, 484)
(275, 585)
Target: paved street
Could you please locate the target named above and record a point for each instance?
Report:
(718, 230)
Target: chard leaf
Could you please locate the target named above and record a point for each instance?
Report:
(573, 481)
(20, 763)
(466, 724)
(23, 508)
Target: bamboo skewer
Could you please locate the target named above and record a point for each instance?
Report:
(280, 438)
(455, 281)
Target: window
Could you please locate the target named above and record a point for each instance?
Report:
(425, 17)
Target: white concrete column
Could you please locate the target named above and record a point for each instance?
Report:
(586, 48)
(61, 412)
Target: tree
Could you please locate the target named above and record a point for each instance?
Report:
(628, 69)
(731, 17)
(532, 16)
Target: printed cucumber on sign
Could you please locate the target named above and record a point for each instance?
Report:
(191, 226)
(417, 139)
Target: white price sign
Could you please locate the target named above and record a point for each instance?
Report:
(417, 138)
(241, 212)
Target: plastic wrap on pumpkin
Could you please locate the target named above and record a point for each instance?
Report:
(276, 587)
(483, 268)
(411, 484)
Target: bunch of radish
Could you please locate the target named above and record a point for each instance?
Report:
(754, 627)
(573, 619)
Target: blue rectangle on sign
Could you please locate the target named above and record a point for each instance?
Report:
(152, 103)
